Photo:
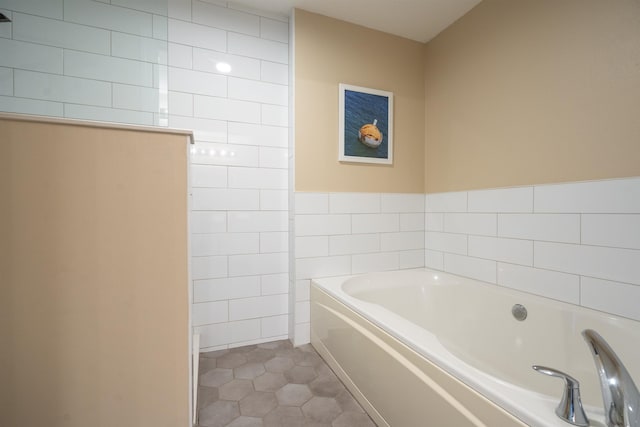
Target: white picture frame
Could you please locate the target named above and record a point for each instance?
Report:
(365, 125)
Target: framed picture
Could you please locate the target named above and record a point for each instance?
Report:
(365, 125)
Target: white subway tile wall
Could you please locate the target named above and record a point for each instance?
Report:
(6, 29)
(239, 168)
(30, 56)
(349, 233)
(190, 34)
(51, 8)
(30, 106)
(574, 242)
(6, 81)
(85, 59)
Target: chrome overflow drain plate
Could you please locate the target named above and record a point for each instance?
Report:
(519, 311)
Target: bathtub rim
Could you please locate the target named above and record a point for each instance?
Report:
(531, 407)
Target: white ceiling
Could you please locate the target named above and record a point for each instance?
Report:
(419, 20)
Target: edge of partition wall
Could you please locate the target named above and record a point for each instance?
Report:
(91, 123)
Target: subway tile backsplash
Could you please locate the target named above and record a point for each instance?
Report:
(608, 196)
(375, 223)
(574, 242)
(354, 203)
(513, 251)
(400, 202)
(501, 200)
(619, 231)
(350, 233)
(617, 264)
(612, 297)
(563, 228)
(552, 284)
(476, 268)
(349, 244)
(567, 242)
(446, 202)
(323, 225)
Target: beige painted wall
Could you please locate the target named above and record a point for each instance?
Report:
(534, 91)
(93, 277)
(329, 52)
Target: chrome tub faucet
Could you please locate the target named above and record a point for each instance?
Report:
(619, 393)
(570, 407)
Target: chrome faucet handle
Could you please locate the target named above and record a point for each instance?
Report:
(570, 407)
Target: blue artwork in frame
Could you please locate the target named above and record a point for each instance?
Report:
(365, 125)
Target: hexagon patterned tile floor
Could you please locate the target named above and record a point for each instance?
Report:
(273, 385)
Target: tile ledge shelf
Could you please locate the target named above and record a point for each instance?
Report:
(96, 123)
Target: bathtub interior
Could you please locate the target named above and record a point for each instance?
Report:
(393, 383)
(473, 321)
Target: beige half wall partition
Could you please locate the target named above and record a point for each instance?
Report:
(93, 276)
(329, 52)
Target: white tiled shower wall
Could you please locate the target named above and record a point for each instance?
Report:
(85, 59)
(576, 242)
(239, 166)
(154, 63)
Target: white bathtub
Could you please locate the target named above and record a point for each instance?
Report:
(420, 345)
